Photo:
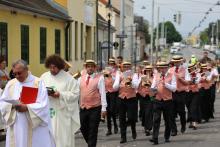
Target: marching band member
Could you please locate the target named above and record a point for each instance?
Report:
(111, 95)
(146, 62)
(205, 84)
(164, 83)
(127, 84)
(214, 75)
(179, 96)
(92, 102)
(145, 96)
(193, 97)
(138, 74)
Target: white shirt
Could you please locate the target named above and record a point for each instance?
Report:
(135, 82)
(187, 76)
(101, 87)
(214, 72)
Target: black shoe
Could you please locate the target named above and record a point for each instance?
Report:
(167, 140)
(108, 133)
(190, 126)
(155, 141)
(183, 129)
(173, 133)
(134, 135)
(194, 127)
(116, 130)
(123, 140)
(207, 120)
(147, 132)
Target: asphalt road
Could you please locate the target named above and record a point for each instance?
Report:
(188, 52)
(207, 135)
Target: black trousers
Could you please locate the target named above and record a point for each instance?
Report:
(192, 105)
(212, 102)
(147, 111)
(160, 107)
(90, 120)
(112, 109)
(178, 108)
(127, 114)
(206, 109)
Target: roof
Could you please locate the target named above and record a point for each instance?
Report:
(36, 6)
(105, 2)
(104, 23)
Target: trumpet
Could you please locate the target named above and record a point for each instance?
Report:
(77, 75)
(106, 73)
(128, 82)
(145, 81)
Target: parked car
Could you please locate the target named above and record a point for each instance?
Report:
(207, 47)
(217, 53)
(213, 48)
(173, 50)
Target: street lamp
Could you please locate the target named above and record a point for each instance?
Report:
(109, 17)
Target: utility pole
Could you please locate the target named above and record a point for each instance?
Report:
(212, 40)
(122, 26)
(152, 32)
(136, 46)
(99, 51)
(165, 35)
(157, 37)
(109, 28)
(132, 44)
(217, 34)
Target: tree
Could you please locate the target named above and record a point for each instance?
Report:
(172, 34)
(204, 37)
(146, 33)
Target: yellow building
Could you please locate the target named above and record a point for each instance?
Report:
(32, 30)
(82, 30)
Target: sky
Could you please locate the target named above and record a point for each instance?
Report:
(193, 11)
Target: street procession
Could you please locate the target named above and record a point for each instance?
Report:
(120, 94)
(109, 73)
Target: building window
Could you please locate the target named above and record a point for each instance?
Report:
(82, 40)
(76, 40)
(25, 43)
(57, 42)
(4, 40)
(43, 44)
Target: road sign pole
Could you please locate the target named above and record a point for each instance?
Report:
(152, 32)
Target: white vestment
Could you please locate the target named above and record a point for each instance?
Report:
(64, 111)
(31, 128)
(2, 123)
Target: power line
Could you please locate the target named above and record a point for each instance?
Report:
(197, 1)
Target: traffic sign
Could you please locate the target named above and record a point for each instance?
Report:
(122, 36)
(104, 45)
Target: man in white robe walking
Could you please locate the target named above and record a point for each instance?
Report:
(63, 97)
(28, 125)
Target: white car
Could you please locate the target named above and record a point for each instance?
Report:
(173, 50)
(213, 48)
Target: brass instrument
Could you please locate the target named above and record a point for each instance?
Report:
(127, 78)
(77, 75)
(106, 73)
(128, 82)
(145, 81)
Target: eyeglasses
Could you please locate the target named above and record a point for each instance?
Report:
(17, 73)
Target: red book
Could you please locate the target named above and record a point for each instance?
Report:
(28, 95)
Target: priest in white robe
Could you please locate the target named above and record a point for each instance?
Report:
(2, 124)
(63, 97)
(28, 125)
